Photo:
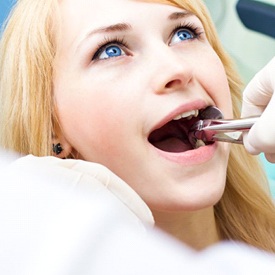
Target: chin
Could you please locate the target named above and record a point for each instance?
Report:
(196, 203)
(190, 193)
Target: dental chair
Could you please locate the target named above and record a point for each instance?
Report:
(257, 16)
(5, 7)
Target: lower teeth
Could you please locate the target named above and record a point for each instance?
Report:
(199, 143)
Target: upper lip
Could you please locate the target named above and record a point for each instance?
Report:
(187, 107)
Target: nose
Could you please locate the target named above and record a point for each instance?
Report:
(171, 70)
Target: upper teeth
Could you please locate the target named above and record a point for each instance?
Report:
(188, 115)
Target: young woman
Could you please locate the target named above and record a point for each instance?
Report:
(114, 82)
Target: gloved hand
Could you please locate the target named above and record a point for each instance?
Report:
(259, 99)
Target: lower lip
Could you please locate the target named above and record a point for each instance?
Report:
(192, 157)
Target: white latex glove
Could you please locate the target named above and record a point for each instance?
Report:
(259, 99)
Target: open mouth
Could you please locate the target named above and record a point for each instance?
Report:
(173, 136)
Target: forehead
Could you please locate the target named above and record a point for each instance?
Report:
(80, 16)
(98, 11)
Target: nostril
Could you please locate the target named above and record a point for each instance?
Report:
(173, 83)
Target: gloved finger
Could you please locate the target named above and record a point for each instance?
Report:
(258, 92)
(253, 151)
(270, 157)
(261, 137)
(249, 148)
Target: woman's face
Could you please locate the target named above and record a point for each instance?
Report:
(125, 68)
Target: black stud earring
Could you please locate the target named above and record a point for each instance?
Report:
(57, 149)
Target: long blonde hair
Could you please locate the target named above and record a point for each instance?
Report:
(27, 54)
(245, 213)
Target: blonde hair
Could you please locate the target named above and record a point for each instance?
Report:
(27, 54)
(245, 212)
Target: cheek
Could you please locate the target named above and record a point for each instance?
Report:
(91, 124)
(93, 114)
(216, 84)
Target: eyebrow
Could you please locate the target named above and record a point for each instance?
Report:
(124, 27)
(180, 15)
(120, 27)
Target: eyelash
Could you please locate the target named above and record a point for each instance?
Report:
(197, 31)
(122, 42)
(108, 42)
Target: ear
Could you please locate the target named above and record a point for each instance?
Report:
(61, 147)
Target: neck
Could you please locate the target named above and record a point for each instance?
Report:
(196, 229)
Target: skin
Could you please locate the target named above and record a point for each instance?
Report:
(108, 107)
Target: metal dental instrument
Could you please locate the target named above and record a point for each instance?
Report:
(209, 130)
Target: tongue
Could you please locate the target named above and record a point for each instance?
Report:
(173, 145)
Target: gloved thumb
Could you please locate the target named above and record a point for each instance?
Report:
(259, 100)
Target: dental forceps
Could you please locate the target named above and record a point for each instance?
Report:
(209, 130)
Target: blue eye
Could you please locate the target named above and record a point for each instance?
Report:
(182, 35)
(110, 51)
